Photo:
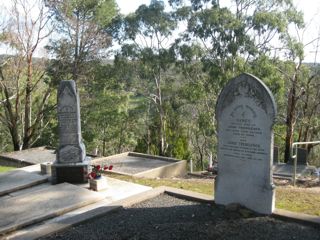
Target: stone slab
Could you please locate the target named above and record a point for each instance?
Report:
(286, 170)
(118, 194)
(26, 209)
(18, 179)
(30, 156)
(117, 189)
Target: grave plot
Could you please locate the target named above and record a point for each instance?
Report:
(26, 209)
(143, 165)
(19, 179)
(28, 157)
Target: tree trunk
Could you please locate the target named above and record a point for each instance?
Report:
(290, 121)
(15, 139)
(27, 111)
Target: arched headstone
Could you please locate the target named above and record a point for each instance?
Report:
(245, 113)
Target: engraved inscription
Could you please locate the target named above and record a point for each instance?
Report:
(244, 132)
(68, 122)
(71, 148)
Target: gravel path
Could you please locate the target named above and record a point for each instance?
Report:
(167, 217)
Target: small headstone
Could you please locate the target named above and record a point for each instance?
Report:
(71, 164)
(302, 157)
(245, 113)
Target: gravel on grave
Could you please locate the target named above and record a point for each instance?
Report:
(166, 217)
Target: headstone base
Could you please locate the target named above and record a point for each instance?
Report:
(71, 172)
(261, 200)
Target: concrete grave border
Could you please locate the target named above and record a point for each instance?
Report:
(10, 158)
(174, 168)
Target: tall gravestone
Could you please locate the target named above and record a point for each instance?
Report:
(245, 113)
(71, 164)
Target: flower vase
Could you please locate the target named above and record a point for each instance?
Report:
(98, 184)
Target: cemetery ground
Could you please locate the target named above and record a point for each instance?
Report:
(304, 198)
(169, 217)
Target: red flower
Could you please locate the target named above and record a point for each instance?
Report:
(105, 167)
(110, 167)
(93, 175)
(98, 167)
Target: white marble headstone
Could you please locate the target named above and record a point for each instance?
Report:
(245, 113)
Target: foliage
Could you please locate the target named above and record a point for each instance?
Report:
(82, 38)
(158, 94)
(25, 87)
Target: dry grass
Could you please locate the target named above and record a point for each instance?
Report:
(195, 185)
(5, 169)
(300, 200)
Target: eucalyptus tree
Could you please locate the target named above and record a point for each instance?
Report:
(24, 86)
(80, 35)
(233, 37)
(302, 105)
(114, 116)
(145, 40)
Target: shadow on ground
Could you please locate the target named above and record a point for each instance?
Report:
(167, 217)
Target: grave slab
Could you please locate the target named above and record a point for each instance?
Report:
(19, 179)
(115, 196)
(26, 209)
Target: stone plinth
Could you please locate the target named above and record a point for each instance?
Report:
(245, 114)
(98, 184)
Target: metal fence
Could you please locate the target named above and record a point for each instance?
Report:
(294, 151)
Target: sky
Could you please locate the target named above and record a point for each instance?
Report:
(310, 8)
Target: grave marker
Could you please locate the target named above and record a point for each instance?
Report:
(71, 164)
(245, 113)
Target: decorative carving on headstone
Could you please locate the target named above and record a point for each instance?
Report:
(245, 113)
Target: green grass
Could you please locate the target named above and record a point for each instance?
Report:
(291, 199)
(5, 169)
